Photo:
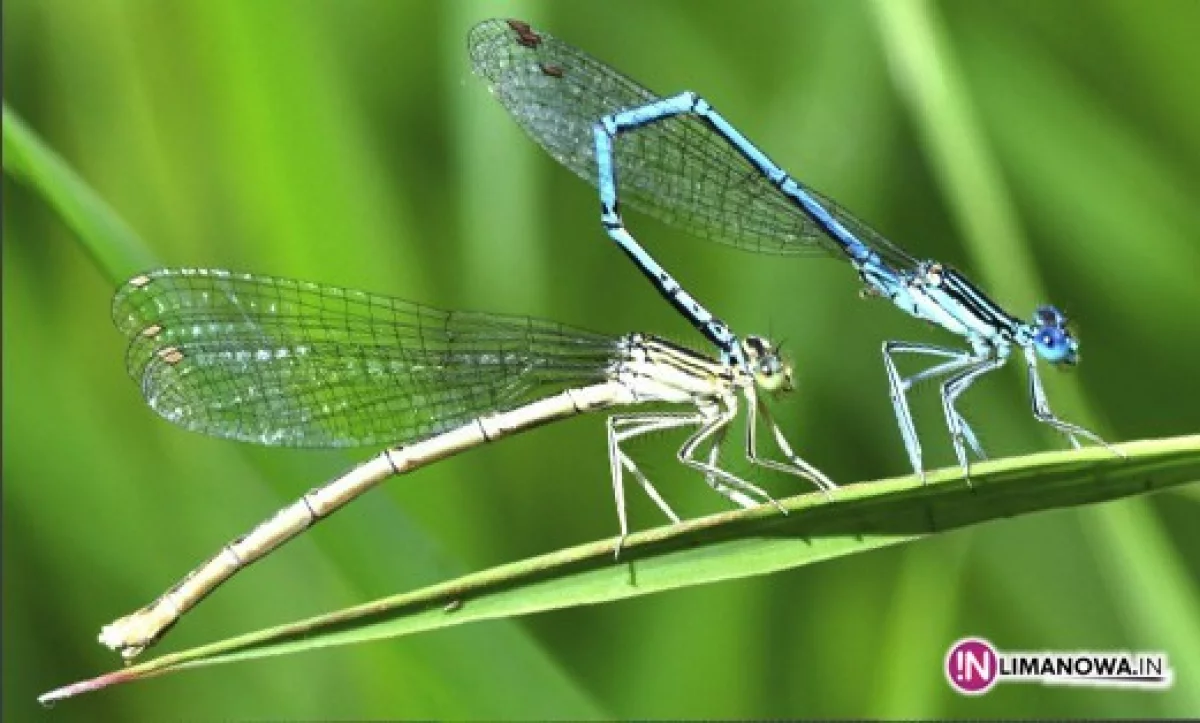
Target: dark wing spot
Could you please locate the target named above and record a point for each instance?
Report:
(525, 34)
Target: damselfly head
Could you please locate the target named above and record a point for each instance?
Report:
(772, 373)
(1052, 339)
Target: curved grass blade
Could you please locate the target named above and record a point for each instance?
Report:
(720, 547)
(114, 246)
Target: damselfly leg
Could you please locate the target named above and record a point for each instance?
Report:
(714, 428)
(959, 429)
(1042, 412)
(796, 465)
(623, 427)
(900, 386)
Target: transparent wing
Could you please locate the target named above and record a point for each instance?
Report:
(291, 363)
(678, 169)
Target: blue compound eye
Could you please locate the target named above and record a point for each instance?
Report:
(1055, 345)
(1051, 338)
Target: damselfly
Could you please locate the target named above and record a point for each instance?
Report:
(291, 363)
(678, 159)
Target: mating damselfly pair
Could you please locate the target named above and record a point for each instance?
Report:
(292, 363)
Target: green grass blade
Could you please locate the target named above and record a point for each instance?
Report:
(720, 547)
(114, 246)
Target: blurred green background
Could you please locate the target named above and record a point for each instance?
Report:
(1050, 149)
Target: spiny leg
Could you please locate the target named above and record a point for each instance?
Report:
(1042, 413)
(798, 466)
(645, 424)
(714, 431)
(951, 389)
(614, 469)
(687, 453)
(945, 368)
(969, 435)
(630, 426)
(649, 488)
(622, 427)
(733, 495)
(710, 478)
(714, 453)
(899, 387)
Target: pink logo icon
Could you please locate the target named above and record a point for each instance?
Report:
(972, 667)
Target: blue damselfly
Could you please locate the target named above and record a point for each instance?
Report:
(678, 159)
